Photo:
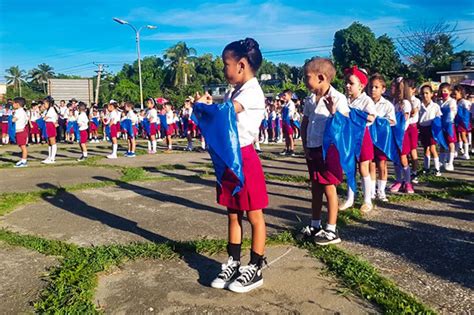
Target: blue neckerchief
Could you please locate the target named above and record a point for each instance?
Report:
(127, 125)
(218, 124)
(146, 125)
(437, 132)
(399, 129)
(463, 117)
(446, 122)
(383, 139)
(95, 120)
(11, 129)
(76, 131)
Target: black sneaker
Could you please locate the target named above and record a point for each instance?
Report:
(326, 238)
(307, 233)
(250, 278)
(284, 153)
(82, 158)
(229, 272)
(291, 153)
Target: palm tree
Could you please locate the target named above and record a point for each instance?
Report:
(41, 75)
(178, 58)
(15, 76)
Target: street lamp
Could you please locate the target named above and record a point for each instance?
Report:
(137, 37)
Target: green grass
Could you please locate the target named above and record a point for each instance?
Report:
(287, 178)
(72, 284)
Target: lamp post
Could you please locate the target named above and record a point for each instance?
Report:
(137, 37)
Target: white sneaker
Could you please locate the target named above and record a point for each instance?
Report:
(112, 156)
(45, 161)
(49, 161)
(346, 205)
(455, 154)
(465, 157)
(449, 167)
(438, 174)
(21, 164)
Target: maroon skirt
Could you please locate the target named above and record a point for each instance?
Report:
(450, 139)
(253, 195)
(367, 149)
(51, 130)
(34, 128)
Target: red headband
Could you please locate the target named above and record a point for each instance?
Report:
(359, 74)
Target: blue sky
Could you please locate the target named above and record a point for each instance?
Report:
(70, 35)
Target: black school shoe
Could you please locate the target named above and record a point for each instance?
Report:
(324, 237)
(250, 278)
(230, 271)
(307, 233)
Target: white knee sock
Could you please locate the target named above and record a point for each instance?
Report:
(114, 149)
(367, 187)
(149, 145)
(451, 158)
(153, 145)
(407, 173)
(372, 188)
(49, 152)
(436, 163)
(350, 196)
(466, 149)
(54, 149)
(382, 185)
(469, 138)
(257, 145)
(426, 162)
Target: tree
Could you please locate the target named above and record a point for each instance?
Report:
(179, 58)
(267, 67)
(429, 48)
(41, 75)
(14, 77)
(283, 72)
(357, 45)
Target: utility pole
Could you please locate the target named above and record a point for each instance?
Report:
(99, 73)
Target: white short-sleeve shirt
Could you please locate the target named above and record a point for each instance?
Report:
(132, 116)
(152, 115)
(252, 99)
(83, 121)
(415, 104)
(113, 117)
(169, 117)
(51, 115)
(318, 115)
(21, 119)
(451, 103)
(428, 113)
(384, 108)
(364, 103)
(291, 108)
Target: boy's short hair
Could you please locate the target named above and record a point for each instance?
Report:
(129, 104)
(426, 86)
(380, 78)
(287, 91)
(20, 101)
(321, 65)
(444, 85)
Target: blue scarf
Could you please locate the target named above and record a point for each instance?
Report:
(42, 127)
(285, 114)
(437, 132)
(218, 125)
(127, 125)
(399, 129)
(383, 138)
(11, 129)
(463, 117)
(446, 122)
(95, 120)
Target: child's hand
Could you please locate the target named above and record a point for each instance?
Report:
(329, 104)
(206, 98)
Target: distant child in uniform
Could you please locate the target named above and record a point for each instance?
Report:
(288, 110)
(94, 125)
(413, 129)
(34, 129)
(242, 60)
(450, 108)
(21, 129)
(83, 125)
(356, 81)
(325, 174)
(112, 120)
(169, 130)
(428, 112)
(384, 109)
(152, 116)
(459, 93)
(131, 138)
(51, 122)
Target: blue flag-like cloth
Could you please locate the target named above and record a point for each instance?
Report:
(163, 122)
(11, 129)
(437, 132)
(383, 139)
(127, 125)
(399, 129)
(77, 134)
(285, 114)
(42, 127)
(346, 134)
(277, 126)
(296, 123)
(146, 125)
(446, 122)
(95, 121)
(463, 117)
(107, 133)
(218, 125)
(70, 126)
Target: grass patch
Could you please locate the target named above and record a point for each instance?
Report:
(134, 174)
(9, 201)
(170, 167)
(364, 280)
(287, 178)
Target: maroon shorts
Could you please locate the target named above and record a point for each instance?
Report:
(287, 129)
(460, 128)
(51, 130)
(135, 131)
(367, 148)
(114, 130)
(253, 195)
(426, 136)
(379, 155)
(413, 136)
(153, 130)
(191, 125)
(450, 139)
(406, 149)
(34, 128)
(92, 127)
(22, 137)
(170, 130)
(325, 172)
(84, 136)
(4, 128)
